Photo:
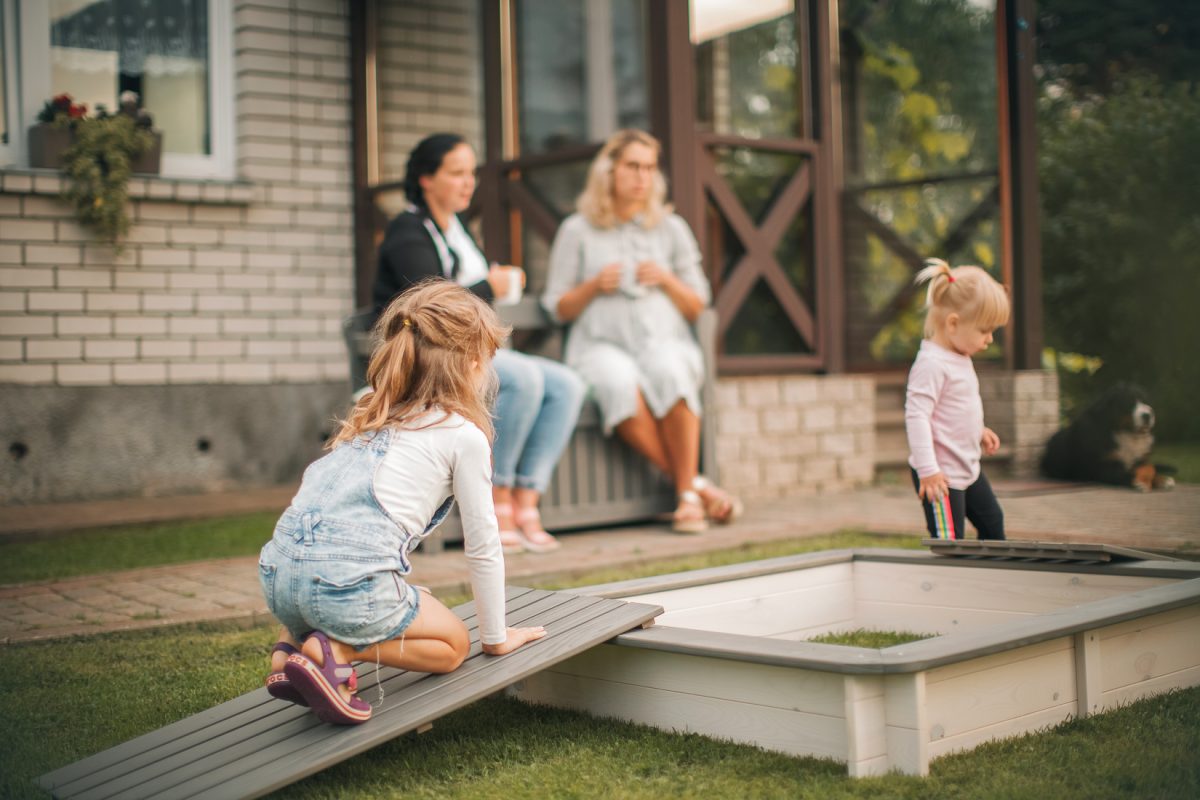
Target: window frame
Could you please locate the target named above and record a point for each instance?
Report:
(10, 150)
(33, 80)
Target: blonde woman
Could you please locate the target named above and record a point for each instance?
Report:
(625, 273)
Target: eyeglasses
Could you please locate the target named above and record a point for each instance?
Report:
(633, 166)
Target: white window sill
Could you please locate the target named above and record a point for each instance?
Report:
(141, 187)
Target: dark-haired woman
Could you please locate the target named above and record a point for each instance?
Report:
(539, 399)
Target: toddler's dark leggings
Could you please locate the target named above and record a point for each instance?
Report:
(977, 503)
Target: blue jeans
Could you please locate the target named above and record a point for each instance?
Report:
(536, 410)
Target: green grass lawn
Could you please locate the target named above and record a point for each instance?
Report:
(867, 637)
(68, 699)
(1183, 455)
(86, 552)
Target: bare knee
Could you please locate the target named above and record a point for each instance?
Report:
(458, 646)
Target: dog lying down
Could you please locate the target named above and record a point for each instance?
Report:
(1109, 442)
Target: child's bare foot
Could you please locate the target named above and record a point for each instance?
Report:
(279, 654)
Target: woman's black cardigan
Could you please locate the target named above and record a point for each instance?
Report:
(408, 256)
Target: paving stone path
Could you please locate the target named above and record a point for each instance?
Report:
(228, 589)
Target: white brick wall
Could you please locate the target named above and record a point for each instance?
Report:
(429, 76)
(217, 282)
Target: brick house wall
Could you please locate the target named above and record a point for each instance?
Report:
(429, 77)
(207, 353)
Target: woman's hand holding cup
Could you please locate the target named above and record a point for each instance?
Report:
(650, 273)
(608, 279)
(507, 283)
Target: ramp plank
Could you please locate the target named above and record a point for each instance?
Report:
(255, 744)
(232, 715)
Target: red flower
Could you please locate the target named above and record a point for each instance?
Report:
(77, 110)
(62, 101)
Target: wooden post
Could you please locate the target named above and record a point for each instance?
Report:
(365, 156)
(496, 233)
(1087, 674)
(830, 182)
(1018, 18)
(673, 106)
(866, 717)
(907, 723)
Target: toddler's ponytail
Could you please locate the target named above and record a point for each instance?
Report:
(967, 291)
(939, 275)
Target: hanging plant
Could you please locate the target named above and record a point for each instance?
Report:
(98, 162)
(97, 168)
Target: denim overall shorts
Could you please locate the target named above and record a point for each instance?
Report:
(337, 561)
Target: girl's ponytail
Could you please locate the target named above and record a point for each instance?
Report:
(939, 275)
(967, 291)
(430, 344)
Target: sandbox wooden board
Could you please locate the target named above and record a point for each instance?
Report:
(255, 744)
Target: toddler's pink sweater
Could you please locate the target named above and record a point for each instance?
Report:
(943, 416)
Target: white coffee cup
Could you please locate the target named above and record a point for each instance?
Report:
(516, 287)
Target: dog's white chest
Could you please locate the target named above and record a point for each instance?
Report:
(1132, 447)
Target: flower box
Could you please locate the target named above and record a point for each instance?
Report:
(149, 162)
(48, 143)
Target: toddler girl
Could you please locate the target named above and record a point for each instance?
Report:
(334, 572)
(943, 414)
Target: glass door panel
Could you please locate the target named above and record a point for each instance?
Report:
(921, 120)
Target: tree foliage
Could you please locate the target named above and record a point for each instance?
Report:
(1090, 45)
(1120, 188)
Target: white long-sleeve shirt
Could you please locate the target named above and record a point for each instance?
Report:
(943, 416)
(425, 466)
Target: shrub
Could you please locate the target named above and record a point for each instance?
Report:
(1120, 188)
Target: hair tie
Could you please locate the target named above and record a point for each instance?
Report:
(949, 277)
(407, 323)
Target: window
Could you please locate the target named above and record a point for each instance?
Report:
(581, 71)
(175, 54)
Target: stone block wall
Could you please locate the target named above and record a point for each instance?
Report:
(1022, 407)
(787, 434)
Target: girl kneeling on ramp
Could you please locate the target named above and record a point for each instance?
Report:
(334, 572)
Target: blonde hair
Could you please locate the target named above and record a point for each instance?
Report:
(595, 203)
(967, 291)
(431, 340)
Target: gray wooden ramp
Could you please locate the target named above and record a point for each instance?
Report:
(255, 744)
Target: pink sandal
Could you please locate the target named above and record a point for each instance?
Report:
(511, 540)
(534, 537)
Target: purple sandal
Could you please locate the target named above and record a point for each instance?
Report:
(319, 686)
(278, 684)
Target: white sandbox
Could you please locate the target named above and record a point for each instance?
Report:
(1021, 646)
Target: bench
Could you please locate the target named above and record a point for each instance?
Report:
(599, 480)
(255, 744)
